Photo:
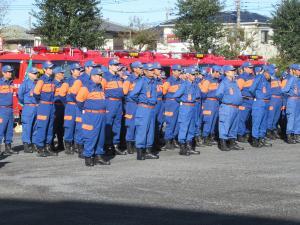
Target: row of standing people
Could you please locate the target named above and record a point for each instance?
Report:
(85, 111)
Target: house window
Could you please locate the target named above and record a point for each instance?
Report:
(264, 36)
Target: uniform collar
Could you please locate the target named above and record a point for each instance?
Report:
(6, 81)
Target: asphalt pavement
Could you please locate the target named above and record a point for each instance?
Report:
(254, 186)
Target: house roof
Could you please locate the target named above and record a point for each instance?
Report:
(114, 27)
(16, 32)
(107, 26)
(230, 17)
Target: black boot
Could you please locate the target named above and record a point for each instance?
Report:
(290, 139)
(275, 134)
(149, 155)
(183, 150)
(74, 149)
(8, 150)
(206, 141)
(191, 150)
(68, 148)
(60, 147)
(118, 151)
(27, 148)
(199, 141)
(99, 160)
(33, 147)
(175, 143)
(130, 147)
(212, 140)
(297, 138)
(41, 152)
(264, 143)
(234, 146)
(270, 135)
(49, 150)
(140, 154)
(89, 161)
(80, 151)
(242, 139)
(168, 145)
(223, 145)
(256, 143)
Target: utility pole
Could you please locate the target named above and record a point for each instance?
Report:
(168, 11)
(238, 13)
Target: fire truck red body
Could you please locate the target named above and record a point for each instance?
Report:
(66, 56)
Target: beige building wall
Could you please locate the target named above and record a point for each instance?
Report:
(260, 33)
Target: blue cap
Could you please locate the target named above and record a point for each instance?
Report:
(137, 64)
(273, 66)
(7, 68)
(113, 62)
(90, 63)
(228, 68)
(217, 68)
(190, 70)
(47, 65)
(96, 71)
(295, 67)
(104, 69)
(32, 70)
(157, 65)
(75, 66)
(176, 67)
(258, 69)
(58, 69)
(269, 69)
(247, 64)
(148, 66)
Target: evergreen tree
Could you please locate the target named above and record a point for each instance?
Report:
(69, 22)
(197, 22)
(286, 24)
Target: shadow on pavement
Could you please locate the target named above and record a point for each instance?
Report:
(16, 212)
(2, 164)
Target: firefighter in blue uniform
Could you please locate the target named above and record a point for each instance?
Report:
(230, 97)
(78, 83)
(171, 106)
(91, 100)
(186, 95)
(130, 105)
(245, 80)
(275, 106)
(59, 107)
(283, 120)
(44, 93)
(198, 108)
(292, 91)
(70, 138)
(6, 111)
(159, 108)
(113, 88)
(210, 105)
(145, 95)
(261, 91)
(29, 110)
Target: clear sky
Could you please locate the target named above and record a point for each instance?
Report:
(151, 12)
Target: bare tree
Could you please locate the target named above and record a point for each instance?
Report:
(4, 4)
